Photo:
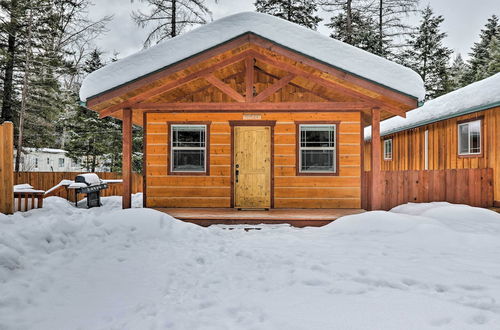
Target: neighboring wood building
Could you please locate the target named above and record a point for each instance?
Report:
(251, 111)
(460, 130)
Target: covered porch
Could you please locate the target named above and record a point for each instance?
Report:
(230, 216)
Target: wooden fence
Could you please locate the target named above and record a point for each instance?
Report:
(6, 168)
(47, 180)
(461, 186)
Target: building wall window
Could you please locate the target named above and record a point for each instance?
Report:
(317, 148)
(388, 149)
(36, 162)
(469, 138)
(48, 161)
(61, 162)
(188, 148)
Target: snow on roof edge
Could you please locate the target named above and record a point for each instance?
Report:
(471, 97)
(289, 35)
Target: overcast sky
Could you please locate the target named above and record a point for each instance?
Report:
(463, 21)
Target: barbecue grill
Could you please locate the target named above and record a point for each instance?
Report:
(91, 185)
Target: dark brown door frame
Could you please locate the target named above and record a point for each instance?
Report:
(271, 124)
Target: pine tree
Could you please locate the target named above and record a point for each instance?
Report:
(479, 57)
(302, 12)
(427, 55)
(170, 18)
(358, 30)
(494, 56)
(457, 73)
(87, 133)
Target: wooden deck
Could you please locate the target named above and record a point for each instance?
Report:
(228, 216)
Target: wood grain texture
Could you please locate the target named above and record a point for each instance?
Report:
(6, 168)
(409, 145)
(213, 191)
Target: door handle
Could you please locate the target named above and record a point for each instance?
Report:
(237, 173)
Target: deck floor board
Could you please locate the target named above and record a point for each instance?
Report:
(230, 216)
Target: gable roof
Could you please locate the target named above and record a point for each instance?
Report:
(290, 35)
(478, 96)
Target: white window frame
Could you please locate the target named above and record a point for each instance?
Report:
(318, 148)
(469, 138)
(386, 156)
(172, 148)
(59, 162)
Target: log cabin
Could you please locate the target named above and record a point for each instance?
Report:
(251, 112)
(454, 132)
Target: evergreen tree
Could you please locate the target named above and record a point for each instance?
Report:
(428, 56)
(87, 137)
(170, 18)
(302, 12)
(457, 73)
(494, 55)
(479, 57)
(361, 32)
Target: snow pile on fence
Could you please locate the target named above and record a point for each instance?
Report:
(419, 266)
(477, 96)
(287, 34)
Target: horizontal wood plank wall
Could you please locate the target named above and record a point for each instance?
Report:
(290, 190)
(408, 147)
(461, 186)
(47, 180)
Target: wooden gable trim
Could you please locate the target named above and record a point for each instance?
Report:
(326, 83)
(253, 106)
(350, 77)
(274, 87)
(249, 78)
(172, 85)
(224, 88)
(168, 70)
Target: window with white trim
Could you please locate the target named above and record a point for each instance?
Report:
(61, 162)
(317, 148)
(469, 138)
(188, 148)
(388, 149)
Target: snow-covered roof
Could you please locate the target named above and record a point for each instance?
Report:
(45, 150)
(481, 95)
(290, 35)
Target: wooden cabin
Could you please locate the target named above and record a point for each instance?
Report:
(460, 130)
(251, 112)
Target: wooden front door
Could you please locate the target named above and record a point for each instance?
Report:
(252, 167)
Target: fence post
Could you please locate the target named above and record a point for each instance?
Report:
(6, 168)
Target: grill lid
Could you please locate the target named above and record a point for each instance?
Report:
(89, 179)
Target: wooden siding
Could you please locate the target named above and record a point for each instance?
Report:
(290, 190)
(472, 186)
(408, 147)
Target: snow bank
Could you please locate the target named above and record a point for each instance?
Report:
(287, 34)
(419, 266)
(477, 96)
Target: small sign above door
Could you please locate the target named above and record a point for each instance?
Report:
(252, 116)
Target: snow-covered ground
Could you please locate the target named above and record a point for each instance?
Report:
(420, 266)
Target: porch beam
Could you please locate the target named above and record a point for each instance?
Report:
(274, 87)
(224, 88)
(376, 183)
(327, 83)
(254, 106)
(249, 78)
(172, 85)
(127, 158)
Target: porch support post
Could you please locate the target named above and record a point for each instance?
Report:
(376, 184)
(127, 157)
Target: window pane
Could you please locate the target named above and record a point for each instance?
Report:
(317, 136)
(188, 136)
(463, 136)
(188, 160)
(318, 160)
(388, 149)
